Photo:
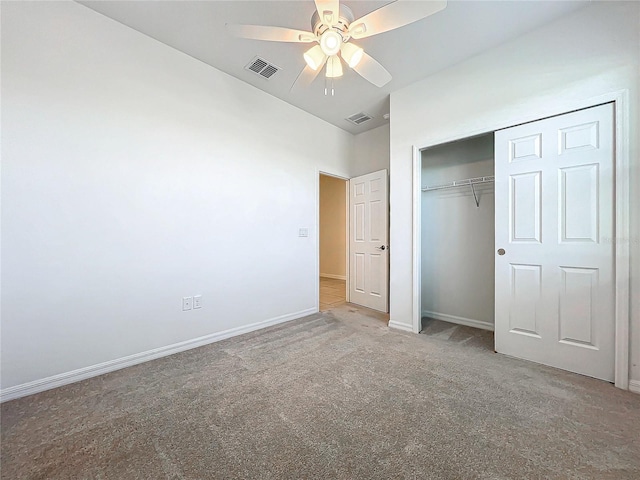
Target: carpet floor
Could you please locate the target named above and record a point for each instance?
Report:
(336, 395)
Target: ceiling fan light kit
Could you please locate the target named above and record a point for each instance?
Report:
(330, 42)
(315, 57)
(351, 54)
(333, 26)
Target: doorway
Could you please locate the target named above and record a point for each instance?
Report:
(457, 226)
(333, 235)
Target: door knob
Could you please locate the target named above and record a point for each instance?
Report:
(501, 251)
(381, 248)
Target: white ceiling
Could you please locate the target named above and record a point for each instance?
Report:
(462, 30)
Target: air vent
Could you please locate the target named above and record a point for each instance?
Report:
(359, 118)
(261, 67)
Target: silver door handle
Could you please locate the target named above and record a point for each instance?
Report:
(501, 251)
(382, 247)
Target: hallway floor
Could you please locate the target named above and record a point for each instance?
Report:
(333, 292)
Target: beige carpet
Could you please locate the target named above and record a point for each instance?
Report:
(333, 396)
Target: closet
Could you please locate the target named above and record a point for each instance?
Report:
(458, 232)
(516, 228)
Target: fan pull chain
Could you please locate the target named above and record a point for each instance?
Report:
(328, 86)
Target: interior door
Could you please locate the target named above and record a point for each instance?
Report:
(554, 249)
(368, 241)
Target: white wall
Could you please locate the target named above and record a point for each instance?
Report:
(134, 175)
(457, 235)
(371, 151)
(333, 227)
(569, 62)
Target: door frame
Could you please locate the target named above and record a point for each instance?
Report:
(622, 259)
(346, 196)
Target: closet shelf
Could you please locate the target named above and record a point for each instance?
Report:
(460, 183)
(469, 182)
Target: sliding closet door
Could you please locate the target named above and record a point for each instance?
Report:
(554, 253)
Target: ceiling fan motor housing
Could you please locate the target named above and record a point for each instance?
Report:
(342, 27)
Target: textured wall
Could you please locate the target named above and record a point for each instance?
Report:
(371, 151)
(568, 63)
(134, 175)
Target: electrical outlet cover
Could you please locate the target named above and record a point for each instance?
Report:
(186, 303)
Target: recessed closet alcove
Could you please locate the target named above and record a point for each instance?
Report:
(457, 231)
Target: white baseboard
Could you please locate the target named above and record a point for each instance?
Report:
(469, 322)
(634, 386)
(73, 376)
(335, 277)
(401, 326)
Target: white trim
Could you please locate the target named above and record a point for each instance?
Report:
(347, 244)
(73, 376)
(335, 277)
(634, 386)
(417, 240)
(401, 326)
(622, 169)
(469, 322)
(623, 258)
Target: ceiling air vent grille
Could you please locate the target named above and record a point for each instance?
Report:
(261, 67)
(359, 118)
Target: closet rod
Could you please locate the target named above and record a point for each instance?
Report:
(463, 183)
(460, 183)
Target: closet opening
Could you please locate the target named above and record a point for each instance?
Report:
(457, 241)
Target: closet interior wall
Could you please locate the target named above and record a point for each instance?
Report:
(458, 235)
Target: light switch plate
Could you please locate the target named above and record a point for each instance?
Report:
(303, 232)
(197, 301)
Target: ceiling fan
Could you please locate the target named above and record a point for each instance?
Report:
(333, 27)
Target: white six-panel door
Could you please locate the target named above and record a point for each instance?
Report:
(554, 250)
(368, 241)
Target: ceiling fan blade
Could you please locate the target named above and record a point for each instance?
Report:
(371, 70)
(270, 34)
(394, 15)
(306, 76)
(329, 11)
